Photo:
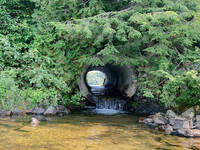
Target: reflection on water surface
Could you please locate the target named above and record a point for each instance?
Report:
(93, 132)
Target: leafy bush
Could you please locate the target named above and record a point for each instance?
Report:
(36, 97)
(10, 96)
(182, 90)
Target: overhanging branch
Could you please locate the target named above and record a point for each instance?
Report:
(113, 13)
(104, 15)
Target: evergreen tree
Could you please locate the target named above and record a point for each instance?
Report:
(45, 43)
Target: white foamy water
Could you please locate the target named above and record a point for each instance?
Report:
(105, 111)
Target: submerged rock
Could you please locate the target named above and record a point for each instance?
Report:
(43, 118)
(34, 122)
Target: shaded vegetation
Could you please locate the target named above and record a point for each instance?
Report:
(45, 43)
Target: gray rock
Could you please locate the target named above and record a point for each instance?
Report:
(168, 129)
(153, 125)
(189, 114)
(5, 113)
(197, 123)
(185, 124)
(188, 124)
(189, 132)
(159, 119)
(172, 121)
(38, 111)
(50, 111)
(62, 110)
(148, 121)
(182, 132)
(176, 125)
(170, 114)
(17, 112)
(198, 118)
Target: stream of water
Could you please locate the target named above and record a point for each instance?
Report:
(87, 132)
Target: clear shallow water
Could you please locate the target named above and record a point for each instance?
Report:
(92, 132)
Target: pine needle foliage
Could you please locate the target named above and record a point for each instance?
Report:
(47, 42)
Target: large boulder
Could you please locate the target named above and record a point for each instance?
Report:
(170, 114)
(159, 119)
(171, 117)
(189, 132)
(182, 123)
(62, 110)
(147, 121)
(198, 118)
(38, 111)
(5, 113)
(189, 114)
(50, 111)
(184, 132)
(17, 112)
(197, 123)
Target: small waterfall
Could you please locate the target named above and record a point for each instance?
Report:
(109, 106)
(115, 104)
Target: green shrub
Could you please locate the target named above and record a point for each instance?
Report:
(182, 90)
(36, 97)
(48, 42)
(10, 95)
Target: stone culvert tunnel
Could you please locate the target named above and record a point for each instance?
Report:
(120, 83)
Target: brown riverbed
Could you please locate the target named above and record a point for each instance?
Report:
(83, 132)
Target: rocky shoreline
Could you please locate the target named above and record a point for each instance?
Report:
(50, 111)
(186, 124)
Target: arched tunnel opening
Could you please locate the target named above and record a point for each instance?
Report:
(110, 86)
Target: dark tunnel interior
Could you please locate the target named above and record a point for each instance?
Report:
(110, 85)
(119, 82)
